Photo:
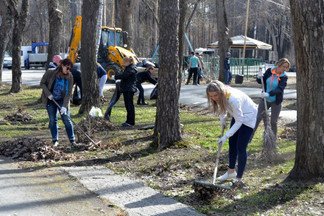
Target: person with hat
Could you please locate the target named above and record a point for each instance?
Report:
(55, 61)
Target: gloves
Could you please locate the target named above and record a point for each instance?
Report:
(222, 140)
(63, 111)
(264, 94)
(260, 73)
(50, 97)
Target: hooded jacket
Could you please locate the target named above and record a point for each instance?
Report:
(279, 90)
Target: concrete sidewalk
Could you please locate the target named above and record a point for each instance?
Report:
(127, 193)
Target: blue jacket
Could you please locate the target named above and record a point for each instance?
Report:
(279, 90)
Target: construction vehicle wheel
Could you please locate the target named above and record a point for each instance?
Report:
(111, 71)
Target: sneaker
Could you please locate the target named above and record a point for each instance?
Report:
(55, 143)
(227, 176)
(125, 124)
(73, 144)
(144, 103)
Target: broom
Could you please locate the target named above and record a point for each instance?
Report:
(269, 149)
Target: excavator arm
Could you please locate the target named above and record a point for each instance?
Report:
(75, 39)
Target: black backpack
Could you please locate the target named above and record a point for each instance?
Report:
(154, 93)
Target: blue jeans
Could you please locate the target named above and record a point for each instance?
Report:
(52, 111)
(227, 77)
(113, 100)
(237, 148)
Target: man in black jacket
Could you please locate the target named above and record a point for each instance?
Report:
(143, 77)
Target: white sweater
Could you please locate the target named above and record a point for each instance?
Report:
(243, 110)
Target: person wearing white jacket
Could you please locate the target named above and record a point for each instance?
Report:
(224, 101)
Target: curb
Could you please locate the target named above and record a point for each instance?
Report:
(127, 193)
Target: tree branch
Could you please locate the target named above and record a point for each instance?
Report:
(152, 10)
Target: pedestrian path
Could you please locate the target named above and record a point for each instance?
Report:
(127, 193)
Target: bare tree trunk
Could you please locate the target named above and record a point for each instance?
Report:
(183, 10)
(308, 28)
(5, 30)
(127, 19)
(118, 12)
(20, 20)
(155, 25)
(90, 96)
(222, 29)
(55, 18)
(167, 125)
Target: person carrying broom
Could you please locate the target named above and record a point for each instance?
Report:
(223, 100)
(274, 84)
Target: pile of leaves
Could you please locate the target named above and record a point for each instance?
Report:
(90, 126)
(19, 116)
(289, 132)
(95, 124)
(30, 149)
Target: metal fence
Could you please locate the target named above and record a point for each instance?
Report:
(248, 67)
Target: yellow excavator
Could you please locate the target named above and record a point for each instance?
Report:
(111, 49)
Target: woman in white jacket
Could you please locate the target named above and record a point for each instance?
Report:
(226, 100)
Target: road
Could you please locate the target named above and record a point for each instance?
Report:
(190, 95)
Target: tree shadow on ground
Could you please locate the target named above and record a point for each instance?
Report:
(262, 201)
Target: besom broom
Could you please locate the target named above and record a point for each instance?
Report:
(269, 150)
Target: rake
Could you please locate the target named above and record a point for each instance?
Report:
(207, 189)
(78, 127)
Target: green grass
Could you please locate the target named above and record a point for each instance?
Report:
(132, 153)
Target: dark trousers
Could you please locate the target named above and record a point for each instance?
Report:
(128, 100)
(113, 100)
(193, 71)
(141, 99)
(275, 112)
(237, 148)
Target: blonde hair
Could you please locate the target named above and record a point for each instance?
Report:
(283, 61)
(221, 106)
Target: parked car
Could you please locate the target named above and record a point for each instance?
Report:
(7, 61)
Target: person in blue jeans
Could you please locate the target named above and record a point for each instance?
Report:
(224, 100)
(57, 87)
(227, 69)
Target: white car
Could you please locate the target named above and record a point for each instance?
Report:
(7, 61)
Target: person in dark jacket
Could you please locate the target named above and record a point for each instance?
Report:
(227, 69)
(128, 88)
(144, 77)
(275, 81)
(57, 88)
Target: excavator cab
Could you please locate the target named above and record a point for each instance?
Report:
(113, 49)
